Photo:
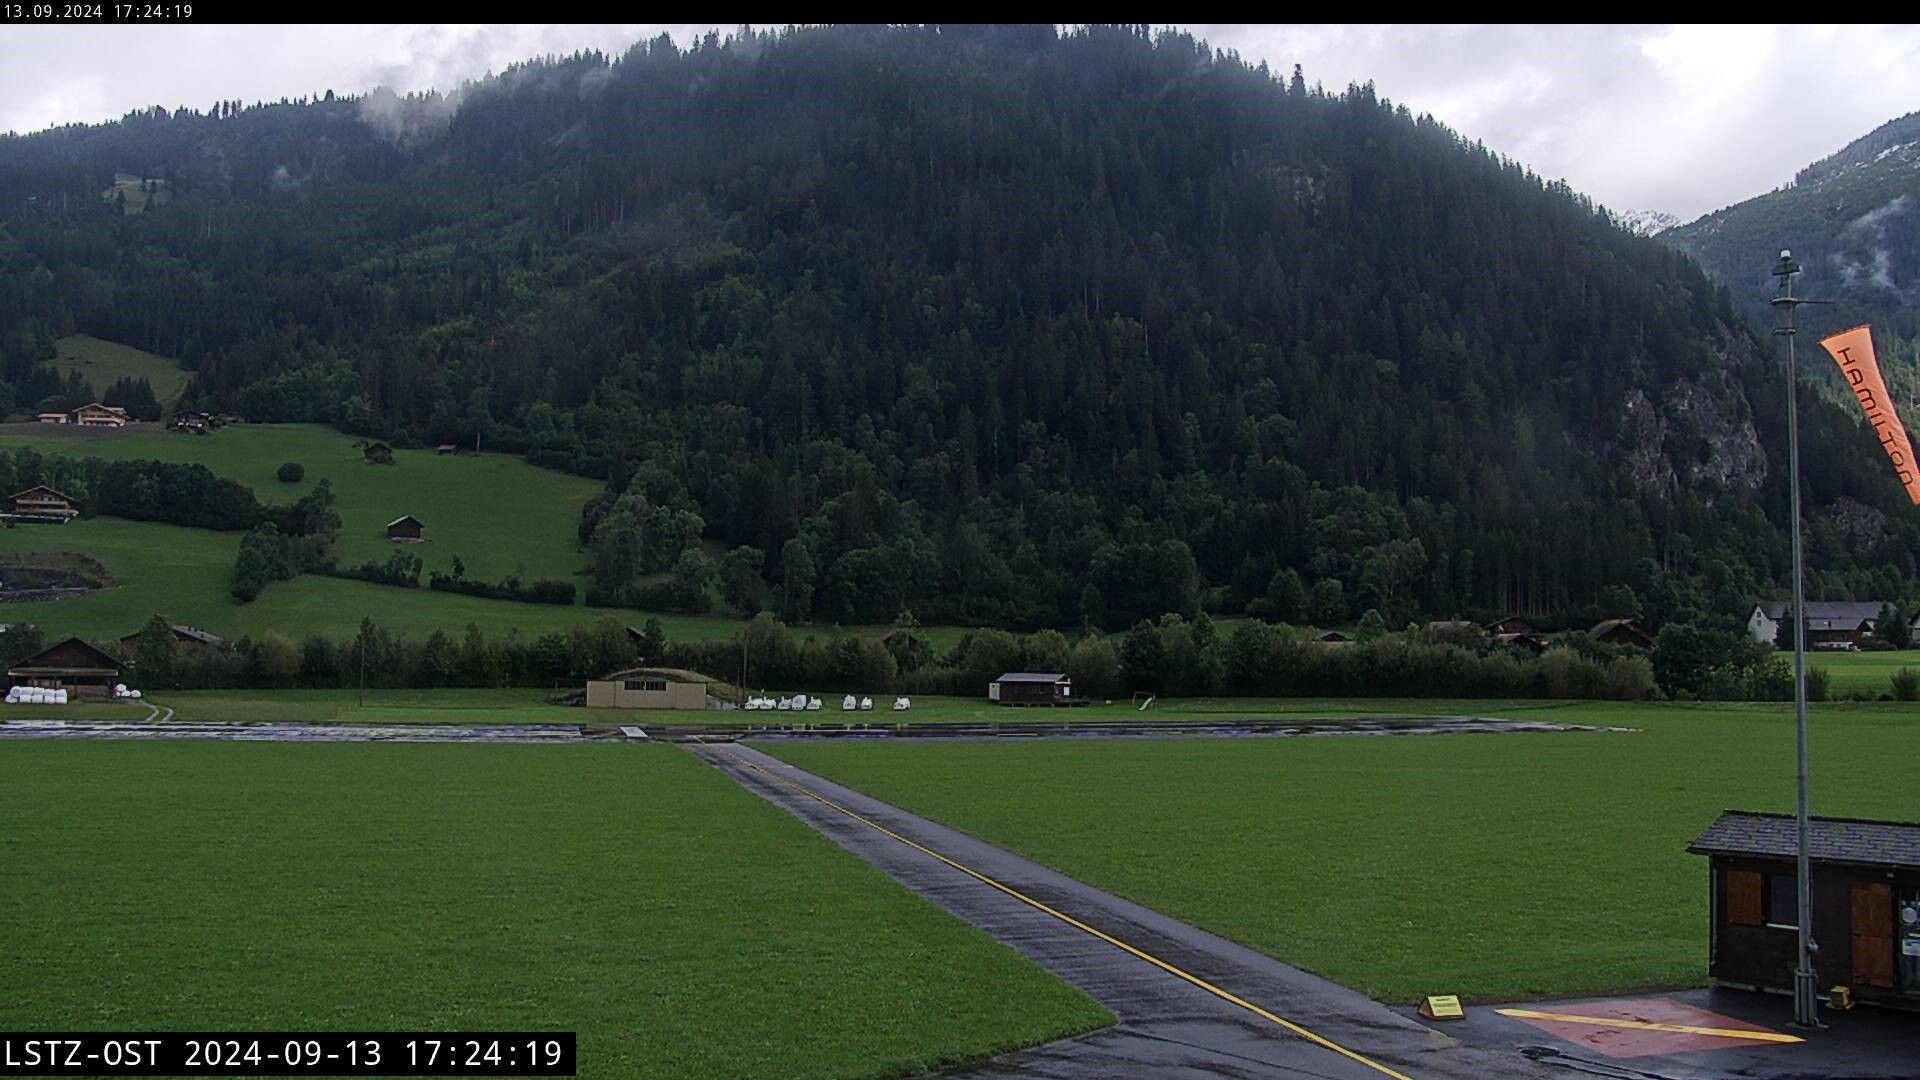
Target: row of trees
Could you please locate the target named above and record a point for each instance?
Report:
(1172, 655)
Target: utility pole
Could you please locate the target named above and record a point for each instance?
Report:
(1806, 1007)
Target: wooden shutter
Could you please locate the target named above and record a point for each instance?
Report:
(1745, 890)
(1872, 934)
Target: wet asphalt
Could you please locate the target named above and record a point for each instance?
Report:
(1166, 1025)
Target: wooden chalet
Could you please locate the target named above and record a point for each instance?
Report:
(1621, 632)
(1031, 688)
(98, 415)
(42, 503)
(406, 530)
(1864, 878)
(192, 421)
(72, 665)
(1512, 624)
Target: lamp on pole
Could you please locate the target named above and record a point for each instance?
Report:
(1805, 1005)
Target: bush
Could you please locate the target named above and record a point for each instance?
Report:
(1629, 678)
(1906, 685)
(292, 473)
(545, 591)
(1817, 684)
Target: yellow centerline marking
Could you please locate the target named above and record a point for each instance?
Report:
(1196, 980)
(1648, 1025)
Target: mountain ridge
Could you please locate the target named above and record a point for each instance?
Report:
(996, 324)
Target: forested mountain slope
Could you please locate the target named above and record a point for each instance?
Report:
(996, 324)
(1852, 220)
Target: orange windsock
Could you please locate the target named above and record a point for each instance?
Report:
(1853, 351)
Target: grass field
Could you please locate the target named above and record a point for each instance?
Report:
(499, 514)
(681, 926)
(1497, 866)
(1869, 672)
(102, 363)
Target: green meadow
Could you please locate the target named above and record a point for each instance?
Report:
(499, 515)
(103, 363)
(1861, 672)
(632, 894)
(1495, 866)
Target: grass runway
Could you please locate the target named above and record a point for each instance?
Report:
(680, 925)
(1495, 866)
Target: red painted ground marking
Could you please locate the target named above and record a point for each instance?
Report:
(1631, 1042)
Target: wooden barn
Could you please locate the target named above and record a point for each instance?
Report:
(1031, 688)
(42, 503)
(1512, 624)
(406, 530)
(1621, 632)
(52, 418)
(377, 453)
(1865, 881)
(73, 665)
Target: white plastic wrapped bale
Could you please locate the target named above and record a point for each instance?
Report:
(134, 694)
(866, 704)
(813, 704)
(902, 704)
(59, 697)
(846, 703)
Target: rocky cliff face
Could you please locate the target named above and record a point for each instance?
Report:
(1695, 433)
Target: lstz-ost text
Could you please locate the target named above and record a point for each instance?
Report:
(287, 1053)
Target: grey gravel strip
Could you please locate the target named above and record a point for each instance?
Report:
(288, 732)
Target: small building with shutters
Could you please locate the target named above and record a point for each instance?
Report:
(1865, 884)
(660, 688)
(1031, 688)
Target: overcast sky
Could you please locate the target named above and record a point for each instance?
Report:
(1679, 119)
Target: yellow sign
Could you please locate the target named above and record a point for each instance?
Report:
(1442, 1007)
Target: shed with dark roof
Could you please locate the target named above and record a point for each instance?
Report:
(1031, 688)
(1865, 902)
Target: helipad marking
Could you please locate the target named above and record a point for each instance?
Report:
(1757, 1035)
(1225, 995)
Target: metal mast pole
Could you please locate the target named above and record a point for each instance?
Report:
(1805, 1005)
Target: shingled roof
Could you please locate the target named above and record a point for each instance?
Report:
(1851, 611)
(1891, 844)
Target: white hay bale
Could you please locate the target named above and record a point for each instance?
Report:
(866, 704)
(847, 703)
